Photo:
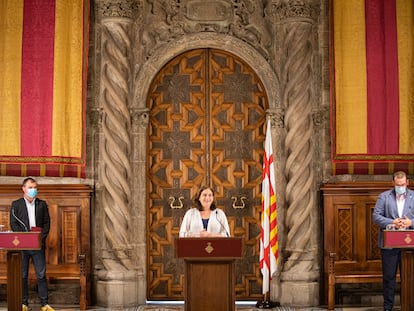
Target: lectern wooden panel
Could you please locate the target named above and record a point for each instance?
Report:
(404, 239)
(209, 272)
(14, 242)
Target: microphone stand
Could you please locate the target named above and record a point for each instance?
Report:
(222, 226)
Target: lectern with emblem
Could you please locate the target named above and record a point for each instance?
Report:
(14, 243)
(209, 272)
(404, 239)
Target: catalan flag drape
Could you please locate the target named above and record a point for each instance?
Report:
(373, 86)
(43, 61)
(269, 247)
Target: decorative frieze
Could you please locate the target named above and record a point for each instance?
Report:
(298, 9)
(167, 20)
(118, 8)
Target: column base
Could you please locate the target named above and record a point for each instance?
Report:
(120, 294)
(309, 294)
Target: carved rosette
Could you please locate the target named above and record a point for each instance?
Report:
(276, 116)
(297, 78)
(140, 118)
(115, 146)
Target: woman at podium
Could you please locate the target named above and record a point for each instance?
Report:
(205, 220)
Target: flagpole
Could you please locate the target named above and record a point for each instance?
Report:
(266, 303)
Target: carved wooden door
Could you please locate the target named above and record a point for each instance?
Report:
(207, 115)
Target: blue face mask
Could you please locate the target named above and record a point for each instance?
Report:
(32, 192)
(400, 189)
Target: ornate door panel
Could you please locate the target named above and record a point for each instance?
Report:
(207, 115)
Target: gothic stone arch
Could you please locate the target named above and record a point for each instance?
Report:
(141, 85)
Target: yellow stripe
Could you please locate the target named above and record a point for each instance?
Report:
(391, 168)
(11, 28)
(67, 103)
(410, 167)
(42, 170)
(350, 76)
(351, 167)
(371, 166)
(23, 169)
(406, 74)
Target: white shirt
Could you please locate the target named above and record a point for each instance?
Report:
(400, 206)
(31, 212)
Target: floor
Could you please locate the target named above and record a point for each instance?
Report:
(180, 307)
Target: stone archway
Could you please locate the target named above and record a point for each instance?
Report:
(156, 62)
(227, 43)
(120, 187)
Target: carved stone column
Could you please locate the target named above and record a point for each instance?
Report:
(117, 273)
(295, 27)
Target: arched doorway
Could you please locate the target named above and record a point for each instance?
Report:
(207, 114)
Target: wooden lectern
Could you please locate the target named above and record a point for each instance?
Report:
(14, 243)
(209, 272)
(404, 239)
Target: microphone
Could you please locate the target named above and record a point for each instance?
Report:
(20, 221)
(221, 224)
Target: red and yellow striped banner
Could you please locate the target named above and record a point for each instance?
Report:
(373, 102)
(43, 56)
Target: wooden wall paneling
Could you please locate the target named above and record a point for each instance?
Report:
(350, 234)
(344, 234)
(54, 237)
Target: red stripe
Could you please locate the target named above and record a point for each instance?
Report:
(37, 77)
(382, 77)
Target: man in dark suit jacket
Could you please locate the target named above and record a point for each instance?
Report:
(394, 208)
(32, 214)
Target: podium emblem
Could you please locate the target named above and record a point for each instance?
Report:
(209, 249)
(407, 239)
(16, 241)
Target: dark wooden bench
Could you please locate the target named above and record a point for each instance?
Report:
(348, 277)
(68, 244)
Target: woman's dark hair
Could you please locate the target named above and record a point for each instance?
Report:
(197, 198)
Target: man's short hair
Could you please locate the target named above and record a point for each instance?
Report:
(399, 175)
(28, 179)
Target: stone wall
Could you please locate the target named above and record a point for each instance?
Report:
(286, 42)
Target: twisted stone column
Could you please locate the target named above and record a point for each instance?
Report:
(296, 22)
(300, 196)
(115, 146)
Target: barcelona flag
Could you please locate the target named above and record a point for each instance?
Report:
(43, 61)
(372, 86)
(269, 236)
